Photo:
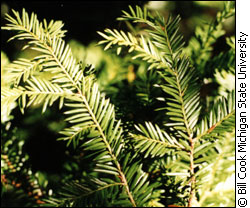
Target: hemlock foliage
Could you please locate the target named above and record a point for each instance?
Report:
(176, 159)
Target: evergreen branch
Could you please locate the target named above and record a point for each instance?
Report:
(220, 167)
(138, 179)
(75, 134)
(221, 117)
(200, 47)
(144, 46)
(83, 191)
(218, 126)
(106, 186)
(76, 194)
(136, 16)
(8, 97)
(57, 58)
(41, 90)
(101, 113)
(164, 38)
(184, 106)
(91, 189)
(182, 89)
(22, 69)
(164, 34)
(32, 25)
(154, 141)
(157, 49)
(222, 120)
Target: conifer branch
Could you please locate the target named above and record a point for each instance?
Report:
(57, 58)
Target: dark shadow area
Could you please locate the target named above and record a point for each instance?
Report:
(82, 19)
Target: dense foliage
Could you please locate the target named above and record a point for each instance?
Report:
(136, 126)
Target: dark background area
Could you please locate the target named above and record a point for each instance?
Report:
(82, 19)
